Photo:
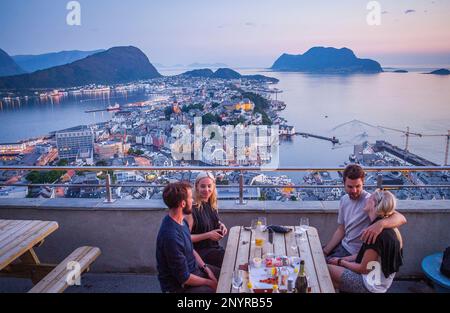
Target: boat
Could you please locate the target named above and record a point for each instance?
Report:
(115, 107)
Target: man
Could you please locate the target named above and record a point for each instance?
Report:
(353, 228)
(180, 268)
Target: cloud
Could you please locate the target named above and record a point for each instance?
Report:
(410, 11)
(384, 12)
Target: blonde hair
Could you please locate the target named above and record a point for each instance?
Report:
(213, 198)
(385, 205)
(385, 202)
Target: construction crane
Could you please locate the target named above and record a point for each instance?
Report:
(407, 133)
(446, 147)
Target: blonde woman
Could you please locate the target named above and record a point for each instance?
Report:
(354, 273)
(204, 222)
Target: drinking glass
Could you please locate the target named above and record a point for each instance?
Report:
(237, 279)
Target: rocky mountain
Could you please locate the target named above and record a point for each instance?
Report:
(116, 65)
(7, 65)
(32, 63)
(326, 60)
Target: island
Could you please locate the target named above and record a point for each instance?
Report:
(442, 71)
(326, 60)
(227, 73)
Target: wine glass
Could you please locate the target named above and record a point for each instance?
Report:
(304, 224)
(263, 221)
(237, 279)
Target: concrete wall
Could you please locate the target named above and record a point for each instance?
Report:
(126, 230)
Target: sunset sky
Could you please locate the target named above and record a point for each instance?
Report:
(236, 32)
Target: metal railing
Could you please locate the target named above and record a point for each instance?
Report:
(241, 169)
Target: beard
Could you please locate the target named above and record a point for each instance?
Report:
(354, 196)
(187, 210)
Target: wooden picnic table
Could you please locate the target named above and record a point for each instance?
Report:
(17, 240)
(241, 250)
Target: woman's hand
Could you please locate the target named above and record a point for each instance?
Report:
(333, 261)
(223, 229)
(215, 235)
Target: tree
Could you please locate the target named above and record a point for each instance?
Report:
(168, 112)
(36, 177)
(62, 162)
(101, 163)
(261, 106)
(210, 118)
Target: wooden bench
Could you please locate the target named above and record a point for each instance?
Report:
(56, 280)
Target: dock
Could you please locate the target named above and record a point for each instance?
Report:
(333, 140)
(381, 145)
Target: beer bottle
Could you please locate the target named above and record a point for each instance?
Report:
(301, 283)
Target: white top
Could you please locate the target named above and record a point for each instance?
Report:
(370, 280)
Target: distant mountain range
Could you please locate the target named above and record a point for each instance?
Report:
(32, 63)
(116, 65)
(8, 66)
(442, 71)
(226, 73)
(326, 60)
(206, 65)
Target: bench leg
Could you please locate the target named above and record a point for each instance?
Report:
(29, 267)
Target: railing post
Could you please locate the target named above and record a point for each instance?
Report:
(380, 181)
(109, 198)
(241, 189)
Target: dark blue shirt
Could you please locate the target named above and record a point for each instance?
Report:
(174, 255)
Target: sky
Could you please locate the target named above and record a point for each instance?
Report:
(240, 33)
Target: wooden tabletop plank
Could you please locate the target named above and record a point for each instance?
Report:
(229, 260)
(291, 244)
(5, 223)
(13, 233)
(305, 254)
(323, 275)
(15, 226)
(242, 258)
(279, 244)
(25, 240)
(266, 248)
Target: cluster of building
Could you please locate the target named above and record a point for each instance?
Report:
(140, 134)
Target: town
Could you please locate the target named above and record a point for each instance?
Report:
(142, 134)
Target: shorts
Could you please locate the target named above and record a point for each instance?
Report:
(352, 282)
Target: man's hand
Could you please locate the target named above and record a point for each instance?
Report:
(325, 252)
(223, 229)
(212, 284)
(370, 234)
(211, 274)
(215, 235)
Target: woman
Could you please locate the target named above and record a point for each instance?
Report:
(354, 273)
(206, 228)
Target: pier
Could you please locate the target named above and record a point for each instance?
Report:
(333, 140)
(381, 145)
